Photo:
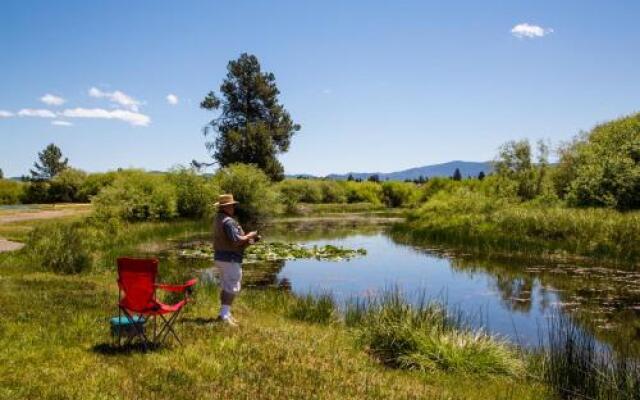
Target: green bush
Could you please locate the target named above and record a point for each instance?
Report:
(333, 192)
(60, 248)
(399, 194)
(300, 190)
(66, 186)
(358, 192)
(11, 192)
(94, 183)
(137, 196)
(35, 192)
(252, 188)
(605, 166)
(195, 194)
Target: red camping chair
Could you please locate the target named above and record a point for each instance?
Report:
(137, 299)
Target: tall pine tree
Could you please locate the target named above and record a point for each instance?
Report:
(50, 165)
(253, 127)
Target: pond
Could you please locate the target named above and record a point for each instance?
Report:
(510, 299)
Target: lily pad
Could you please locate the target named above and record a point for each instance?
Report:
(273, 251)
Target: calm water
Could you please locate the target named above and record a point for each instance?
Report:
(513, 299)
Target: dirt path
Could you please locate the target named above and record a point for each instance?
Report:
(42, 214)
(32, 215)
(7, 245)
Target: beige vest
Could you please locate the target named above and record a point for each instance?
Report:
(221, 241)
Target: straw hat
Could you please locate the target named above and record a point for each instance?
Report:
(225, 200)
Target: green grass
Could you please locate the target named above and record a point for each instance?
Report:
(55, 343)
(486, 225)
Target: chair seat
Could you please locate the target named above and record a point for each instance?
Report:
(159, 308)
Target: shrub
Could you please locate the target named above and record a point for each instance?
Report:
(66, 186)
(11, 192)
(399, 194)
(252, 188)
(299, 190)
(195, 195)
(36, 192)
(94, 183)
(605, 166)
(332, 192)
(137, 196)
(357, 192)
(60, 248)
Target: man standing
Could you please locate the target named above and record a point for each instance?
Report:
(229, 242)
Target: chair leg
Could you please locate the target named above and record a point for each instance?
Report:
(167, 328)
(139, 332)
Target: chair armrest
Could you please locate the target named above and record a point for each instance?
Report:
(177, 288)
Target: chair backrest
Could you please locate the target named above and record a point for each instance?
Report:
(136, 280)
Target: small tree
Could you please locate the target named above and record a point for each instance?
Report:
(374, 178)
(481, 175)
(253, 127)
(350, 178)
(457, 175)
(1, 174)
(50, 165)
(515, 163)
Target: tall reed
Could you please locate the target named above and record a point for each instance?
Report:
(576, 366)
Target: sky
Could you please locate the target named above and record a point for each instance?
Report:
(376, 85)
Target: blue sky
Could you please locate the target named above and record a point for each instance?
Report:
(376, 85)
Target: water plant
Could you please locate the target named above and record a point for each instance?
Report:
(274, 251)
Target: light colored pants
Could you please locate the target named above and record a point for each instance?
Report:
(230, 275)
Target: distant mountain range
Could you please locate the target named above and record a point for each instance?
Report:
(467, 168)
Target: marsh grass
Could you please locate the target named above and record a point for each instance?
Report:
(319, 308)
(483, 224)
(576, 366)
(427, 337)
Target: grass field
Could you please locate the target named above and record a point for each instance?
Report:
(55, 344)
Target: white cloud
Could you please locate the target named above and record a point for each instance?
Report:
(5, 114)
(172, 99)
(117, 97)
(58, 122)
(530, 31)
(133, 118)
(52, 100)
(30, 112)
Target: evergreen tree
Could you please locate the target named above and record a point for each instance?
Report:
(350, 177)
(374, 178)
(481, 175)
(50, 165)
(253, 127)
(1, 174)
(457, 176)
